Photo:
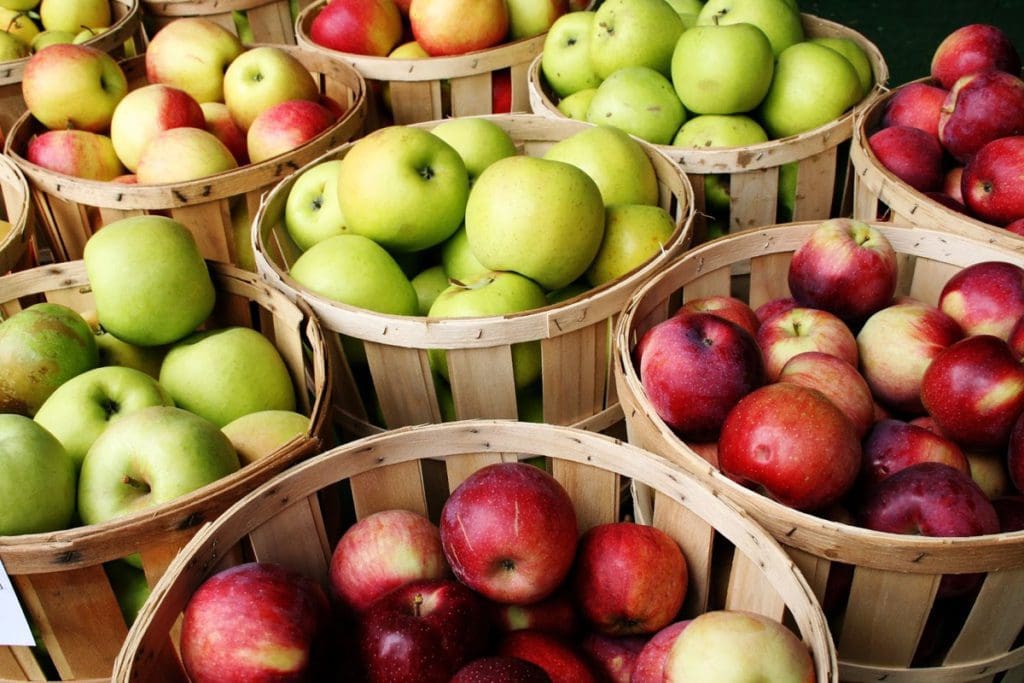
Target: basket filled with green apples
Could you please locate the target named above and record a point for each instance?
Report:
(529, 571)
(253, 21)
(752, 97)
(145, 390)
(473, 267)
(947, 151)
(17, 220)
(197, 128)
(27, 26)
(859, 393)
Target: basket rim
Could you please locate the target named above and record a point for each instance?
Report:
(192, 8)
(19, 214)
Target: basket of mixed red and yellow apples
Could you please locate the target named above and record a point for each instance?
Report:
(253, 21)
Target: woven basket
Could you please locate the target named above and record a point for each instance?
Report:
(593, 468)
(753, 171)
(59, 576)
(15, 245)
(574, 335)
(71, 209)
(895, 577)
(254, 21)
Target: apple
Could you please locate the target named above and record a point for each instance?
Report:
(555, 614)
(217, 120)
(849, 48)
(989, 471)
(12, 47)
(285, 126)
(254, 621)
(36, 468)
(565, 58)
(1015, 454)
(480, 142)
(178, 155)
(562, 661)
(528, 18)
(117, 352)
(803, 329)
(838, 381)
(989, 187)
(130, 588)
(192, 53)
(792, 443)
(980, 108)
(973, 48)
(641, 101)
(455, 27)
(70, 15)
(77, 153)
(73, 86)
(458, 260)
(774, 306)
(649, 666)
(952, 184)
(777, 19)
(146, 112)
(18, 24)
(694, 368)
(633, 33)
(498, 669)
(259, 434)
(509, 532)
(1011, 512)
(917, 105)
(363, 28)
(912, 155)
(719, 130)
(312, 213)
(576, 105)
(893, 445)
(633, 235)
(728, 307)
(501, 91)
(614, 657)
(264, 76)
(985, 298)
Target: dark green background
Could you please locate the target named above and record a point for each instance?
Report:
(907, 33)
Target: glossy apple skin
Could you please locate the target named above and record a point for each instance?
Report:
(973, 48)
(1016, 227)
(991, 181)
(985, 298)
(509, 532)
(912, 155)
(894, 445)
(286, 126)
(838, 381)
(613, 656)
(650, 663)
(793, 443)
(364, 27)
(803, 329)
(774, 306)
(443, 27)
(728, 307)
(980, 108)
(1016, 339)
(554, 614)
(500, 670)
(1015, 454)
(916, 105)
(695, 367)
(563, 663)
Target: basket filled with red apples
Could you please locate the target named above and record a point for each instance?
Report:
(751, 97)
(530, 571)
(947, 151)
(197, 129)
(253, 21)
(859, 392)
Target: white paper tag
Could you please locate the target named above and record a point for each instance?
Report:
(14, 628)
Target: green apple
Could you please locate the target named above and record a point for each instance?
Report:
(87, 34)
(717, 199)
(72, 15)
(119, 353)
(849, 48)
(73, 86)
(576, 105)
(493, 295)
(355, 270)
(404, 188)
(722, 69)
(813, 85)
(478, 141)
(261, 77)
(148, 458)
(260, 434)
(530, 403)
(241, 233)
(18, 24)
(12, 47)
(720, 130)
(540, 218)
(178, 155)
(640, 101)
(312, 212)
(633, 33)
(445, 400)
(633, 235)
(20, 5)
(688, 10)
(37, 490)
(458, 259)
(528, 18)
(428, 283)
(565, 59)
(44, 38)
(779, 21)
(570, 291)
(192, 53)
(82, 407)
(130, 588)
(226, 373)
(41, 347)
(615, 161)
(150, 284)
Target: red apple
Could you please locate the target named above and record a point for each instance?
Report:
(952, 184)
(916, 105)
(838, 381)
(991, 182)
(362, 27)
(650, 663)
(1011, 512)
(77, 153)
(1016, 339)
(947, 201)
(985, 298)
(803, 329)
(614, 657)
(708, 450)
(284, 127)
(980, 108)
(793, 443)
(773, 307)
(1015, 454)
(501, 91)
(894, 445)
(562, 662)
(1016, 227)
(455, 27)
(554, 614)
(910, 154)
(509, 532)
(500, 670)
(728, 307)
(219, 122)
(971, 49)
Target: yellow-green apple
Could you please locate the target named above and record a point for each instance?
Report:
(615, 161)
(403, 187)
(528, 18)
(853, 52)
(130, 588)
(358, 26)
(561, 659)
(985, 298)
(86, 34)
(576, 105)
(41, 347)
(990, 188)
(633, 235)
(178, 155)
(479, 142)
(694, 368)
(429, 283)
(254, 621)
(980, 108)
(312, 213)
(777, 19)
(217, 120)
(554, 614)
(613, 656)
(165, 294)
(20, 5)
(454, 27)
(192, 53)
(257, 435)
(73, 86)
(44, 38)
(728, 307)
(911, 154)
(117, 352)
(720, 130)
(149, 457)
(509, 532)
(634, 33)
(989, 471)
(285, 126)
(804, 329)
(893, 445)
(722, 68)
(458, 259)
(917, 105)
(77, 153)
(146, 112)
(264, 76)
(540, 218)
(644, 603)
(838, 381)
(565, 59)
(812, 86)
(973, 48)
(383, 551)
(640, 101)
(649, 666)
(497, 669)
(82, 407)
(71, 15)
(36, 469)
(737, 646)
(793, 443)
(18, 24)
(494, 294)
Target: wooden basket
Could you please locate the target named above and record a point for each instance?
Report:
(16, 210)
(753, 171)
(59, 576)
(71, 209)
(895, 577)
(574, 335)
(757, 576)
(254, 21)
(125, 38)
(878, 193)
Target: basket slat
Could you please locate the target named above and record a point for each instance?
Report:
(995, 620)
(276, 542)
(750, 589)
(816, 179)
(596, 490)
(571, 391)
(395, 486)
(696, 539)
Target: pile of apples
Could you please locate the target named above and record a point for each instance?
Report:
(850, 403)
(959, 137)
(503, 589)
(211, 105)
(27, 26)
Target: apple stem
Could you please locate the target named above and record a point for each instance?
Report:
(135, 483)
(417, 604)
